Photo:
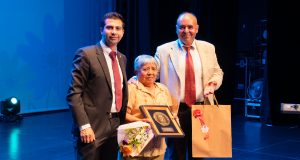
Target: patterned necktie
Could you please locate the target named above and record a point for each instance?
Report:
(190, 89)
(117, 78)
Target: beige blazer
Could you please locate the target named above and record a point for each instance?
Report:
(167, 54)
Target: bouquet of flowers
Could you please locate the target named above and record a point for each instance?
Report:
(133, 137)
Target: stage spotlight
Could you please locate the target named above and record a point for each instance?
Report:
(10, 108)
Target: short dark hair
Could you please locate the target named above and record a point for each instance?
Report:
(112, 15)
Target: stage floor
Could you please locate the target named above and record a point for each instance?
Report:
(47, 136)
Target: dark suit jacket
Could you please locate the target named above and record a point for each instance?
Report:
(90, 94)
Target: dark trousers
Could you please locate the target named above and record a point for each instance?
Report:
(104, 149)
(182, 147)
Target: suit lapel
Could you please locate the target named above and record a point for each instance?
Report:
(201, 52)
(122, 65)
(103, 64)
(174, 54)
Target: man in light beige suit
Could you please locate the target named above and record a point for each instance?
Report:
(208, 76)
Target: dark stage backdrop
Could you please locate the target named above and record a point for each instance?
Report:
(283, 60)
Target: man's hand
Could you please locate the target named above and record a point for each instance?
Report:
(87, 135)
(209, 89)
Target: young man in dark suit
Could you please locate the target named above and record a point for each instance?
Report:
(97, 95)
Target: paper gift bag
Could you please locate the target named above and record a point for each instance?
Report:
(211, 131)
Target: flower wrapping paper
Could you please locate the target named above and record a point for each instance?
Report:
(133, 137)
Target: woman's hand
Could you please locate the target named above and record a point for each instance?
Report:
(146, 120)
(176, 118)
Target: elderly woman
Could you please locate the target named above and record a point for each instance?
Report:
(145, 91)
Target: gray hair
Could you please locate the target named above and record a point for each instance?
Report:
(186, 13)
(142, 60)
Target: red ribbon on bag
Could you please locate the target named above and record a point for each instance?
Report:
(204, 128)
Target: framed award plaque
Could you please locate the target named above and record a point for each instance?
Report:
(163, 122)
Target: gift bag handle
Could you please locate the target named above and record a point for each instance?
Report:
(215, 100)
